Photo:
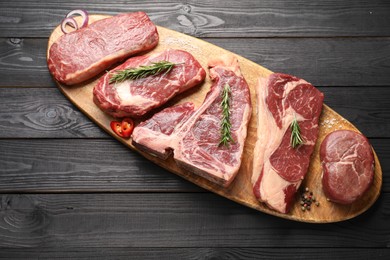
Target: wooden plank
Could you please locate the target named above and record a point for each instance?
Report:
(172, 220)
(42, 113)
(46, 113)
(321, 61)
(382, 147)
(364, 107)
(215, 18)
(45, 165)
(62, 165)
(196, 253)
(23, 63)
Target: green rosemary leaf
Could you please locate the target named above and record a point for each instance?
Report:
(226, 136)
(142, 71)
(296, 138)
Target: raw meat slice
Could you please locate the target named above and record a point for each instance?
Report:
(156, 134)
(348, 166)
(278, 169)
(80, 55)
(195, 140)
(134, 98)
(198, 148)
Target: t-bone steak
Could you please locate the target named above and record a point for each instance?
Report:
(278, 168)
(80, 55)
(194, 134)
(134, 98)
(348, 166)
(157, 134)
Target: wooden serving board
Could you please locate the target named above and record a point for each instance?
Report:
(241, 189)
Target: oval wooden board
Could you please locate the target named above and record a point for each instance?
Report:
(241, 189)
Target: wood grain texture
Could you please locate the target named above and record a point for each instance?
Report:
(241, 189)
(172, 220)
(46, 113)
(215, 18)
(199, 225)
(63, 165)
(321, 61)
(42, 113)
(191, 253)
(23, 63)
(46, 165)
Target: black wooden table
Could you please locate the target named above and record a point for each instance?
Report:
(67, 189)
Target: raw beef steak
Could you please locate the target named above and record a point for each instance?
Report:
(157, 134)
(195, 137)
(82, 54)
(278, 169)
(134, 98)
(348, 166)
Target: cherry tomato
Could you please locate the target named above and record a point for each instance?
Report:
(127, 127)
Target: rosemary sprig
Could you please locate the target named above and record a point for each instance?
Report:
(226, 136)
(296, 138)
(142, 71)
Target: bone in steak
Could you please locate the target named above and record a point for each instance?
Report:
(157, 134)
(135, 98)
(194, 135)
(348, 166)
(82, 54)
(278, 169)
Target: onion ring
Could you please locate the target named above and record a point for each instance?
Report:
(84, 15)
(68, 20)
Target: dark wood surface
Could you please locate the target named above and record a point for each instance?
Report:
(68, 190)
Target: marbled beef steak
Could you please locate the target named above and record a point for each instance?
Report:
(134, 98)
(157, 134)
(348, 166)
(278, 168)
(80, 55)
(194, 135)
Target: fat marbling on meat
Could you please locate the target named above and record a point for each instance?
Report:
(348, 166)
(195, 138)
(134, 98)
(80, 55)
(278, 168)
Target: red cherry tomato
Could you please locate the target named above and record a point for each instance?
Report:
(124, 128)
(127, 127)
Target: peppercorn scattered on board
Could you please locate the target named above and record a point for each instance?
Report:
(240, 190)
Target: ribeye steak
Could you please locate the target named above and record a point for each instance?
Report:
(194, 135)
(278, 168)
(135, 98)
(82, 54)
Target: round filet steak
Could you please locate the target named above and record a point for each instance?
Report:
(348, 166)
